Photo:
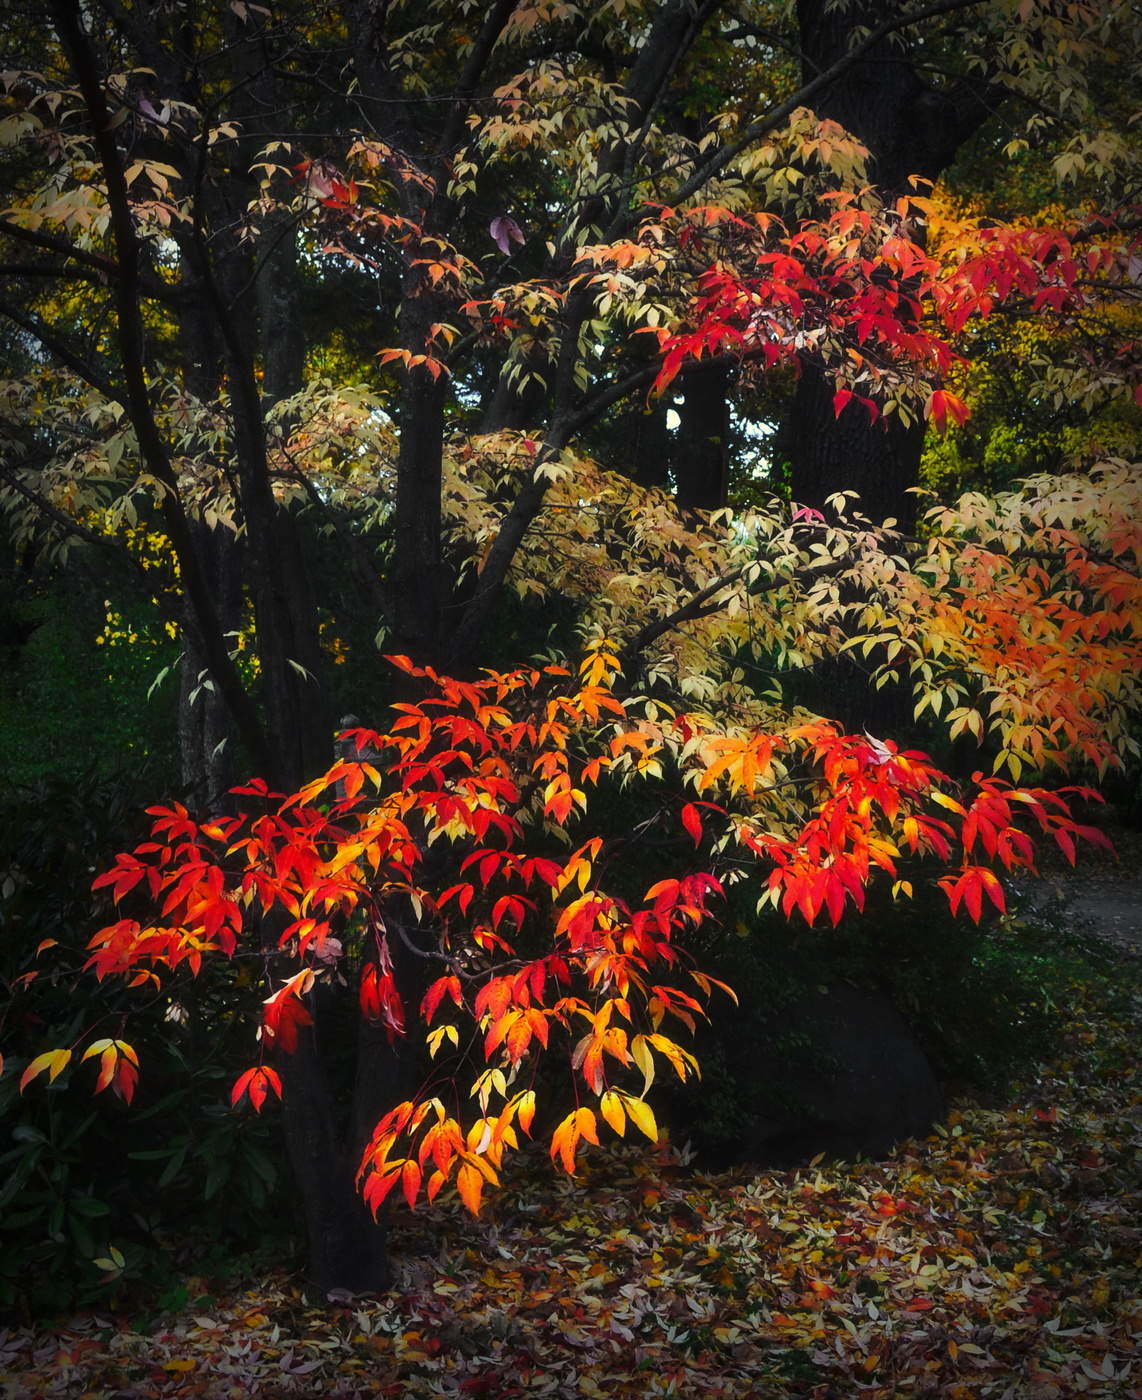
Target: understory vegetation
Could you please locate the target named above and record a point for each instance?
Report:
(1000, 1251)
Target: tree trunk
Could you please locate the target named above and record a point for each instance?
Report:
(205, 727)
(880, 461)
(347, 1248)
(417, 581)
(910, 129)
(701, 461)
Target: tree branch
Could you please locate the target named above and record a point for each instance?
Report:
(776, 115)
(132, 350)
(101, 269)
(73, 527)
(63, 352)
(697, 606)
(498, 15)
(64, 521)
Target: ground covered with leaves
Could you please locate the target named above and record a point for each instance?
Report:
(999, 1257)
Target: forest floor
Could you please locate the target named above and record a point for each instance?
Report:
(998, 1257)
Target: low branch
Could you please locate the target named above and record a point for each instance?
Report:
(697, 606)
(63, 520)
(82, 532)
(101, 269)
(85, 274)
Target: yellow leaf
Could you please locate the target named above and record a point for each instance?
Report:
(54, 1061)
(611, 1107)
(441, 1033)
(642, 1056)
(642, 1116)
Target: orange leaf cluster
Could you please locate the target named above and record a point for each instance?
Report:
(537, 949)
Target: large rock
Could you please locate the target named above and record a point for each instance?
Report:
(842, 1075)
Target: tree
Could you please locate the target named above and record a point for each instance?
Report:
(529, 242)
(445, 889)
(915, 97)
(583, 120)
(470, 858)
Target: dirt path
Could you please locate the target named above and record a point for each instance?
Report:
(1103, 892)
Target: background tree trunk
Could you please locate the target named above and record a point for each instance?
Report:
(702, 457)
(910, 128)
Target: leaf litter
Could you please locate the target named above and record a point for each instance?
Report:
(997, 1258)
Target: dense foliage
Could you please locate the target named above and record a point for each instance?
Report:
(426, 331)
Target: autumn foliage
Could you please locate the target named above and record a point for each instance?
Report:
(464, 840)
(859, 292)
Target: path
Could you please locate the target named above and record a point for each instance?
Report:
(1102, 892)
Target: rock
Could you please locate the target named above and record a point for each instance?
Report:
(851, 1081)
(867, 1086)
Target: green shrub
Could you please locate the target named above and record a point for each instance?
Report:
(69, 707)
(94, 1192)
(985, 1005)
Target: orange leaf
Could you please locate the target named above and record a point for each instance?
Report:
(470, 1185)
(55, 1061)
(410, 1182)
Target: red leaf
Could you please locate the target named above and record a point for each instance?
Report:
(255, 1082)
(443, 986)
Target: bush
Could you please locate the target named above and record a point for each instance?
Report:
(71, 1226)
(69, 707)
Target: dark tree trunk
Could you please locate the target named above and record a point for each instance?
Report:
(205, 727)
(701, 460)
(206, 730)
(639, 444)
(347, 1248)
(879, 460)
(910, 128)
(417, 582)
(511, 406)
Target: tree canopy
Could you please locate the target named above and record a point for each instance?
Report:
(580, 359)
